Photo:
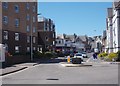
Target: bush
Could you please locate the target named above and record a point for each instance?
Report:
(45, 55)
(38, 55)
(60, 54)
(107, 58)
(118, 56)
(102, 55)
(48, 54)
(112, 56)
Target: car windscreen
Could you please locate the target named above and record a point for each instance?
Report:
(84, 53)
(78, 55)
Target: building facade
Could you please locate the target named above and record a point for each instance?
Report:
(64, 45)
(46, 34)
(116, 26)
(71, 43)
(109, 47)
(96, 43)
(0, 22)
(104, 41)
(113, 28)
(19, 24)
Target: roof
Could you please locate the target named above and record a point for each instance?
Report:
(83, 38)
(70, 37)
(110, 12)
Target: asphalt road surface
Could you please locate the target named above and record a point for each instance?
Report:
(54, 73)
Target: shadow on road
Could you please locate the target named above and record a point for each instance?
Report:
(48, 61)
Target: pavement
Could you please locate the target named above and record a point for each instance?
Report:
(15, 68)
(69, 64)
(87, 64)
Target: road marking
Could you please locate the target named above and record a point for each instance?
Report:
(19, 71)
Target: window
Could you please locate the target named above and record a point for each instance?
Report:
(28, 39)
(5, 20)
(16, 8)
(16, 49)
(28, 28)
(17, 36)
(51, 25)
(5, 35)
(44, 26)
(34, 8)
(28, 6)
(34, 40)
(33, 18)
(53, 35)
(46, 38)
(34, 29)
(46, 29)
(17, 21)
(56, 42)
(47, 26)
(59, 42)
(5, 5)
(6, 47)
(53, 42)
(34, 48)
(28, 17)
(28, 49)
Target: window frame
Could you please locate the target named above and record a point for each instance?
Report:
(28, 28)
(28, 49)
(16, 8)
(5, 36)
(34, 39)
(17, 22)
(17, 49)
(28, 17)
(27, 5)
(5, 20)
(5, 5)
(17, 36)
(28, 39)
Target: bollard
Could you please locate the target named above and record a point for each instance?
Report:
(68, 59)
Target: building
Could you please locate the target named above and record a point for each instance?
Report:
(46, 34)
(113, 28)
(84, 42)
(104, 41)
(71, 43)
(109, 46)
(0, 22)
(18, 20)
(97, 43)
(116, 26)
(64, 44)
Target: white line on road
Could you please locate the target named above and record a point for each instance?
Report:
(19, 71)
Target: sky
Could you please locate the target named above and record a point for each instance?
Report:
(82, 18)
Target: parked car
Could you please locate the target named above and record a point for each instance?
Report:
(77, 59)
(78, 55)
(84, 54)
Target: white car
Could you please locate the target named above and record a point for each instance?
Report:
(78, 55)
(84, 54)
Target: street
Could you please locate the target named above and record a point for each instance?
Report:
(54, 73)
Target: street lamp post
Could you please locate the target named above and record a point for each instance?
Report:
(32, 37)
(31, 40)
